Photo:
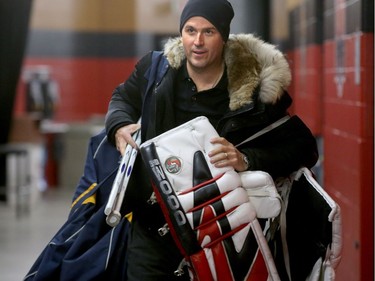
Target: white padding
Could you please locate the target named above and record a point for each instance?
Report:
(245, 213)
(183, 142)
(228, 182)
(262, 193)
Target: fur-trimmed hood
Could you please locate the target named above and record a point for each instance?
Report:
(250, 62)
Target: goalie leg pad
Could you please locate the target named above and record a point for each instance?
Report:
(214, 232)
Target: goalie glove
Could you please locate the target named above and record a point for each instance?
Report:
(208, 212)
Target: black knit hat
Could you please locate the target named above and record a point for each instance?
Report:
(219, 12)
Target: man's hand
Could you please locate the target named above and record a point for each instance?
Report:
(226, 154)
(123, 137)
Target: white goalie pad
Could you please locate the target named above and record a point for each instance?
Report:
(310, 224)
(230, 200)
(262, 193)
(176, 150)
(209, 213)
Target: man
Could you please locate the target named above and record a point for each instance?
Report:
(238, 82)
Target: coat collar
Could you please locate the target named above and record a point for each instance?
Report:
(250, 62)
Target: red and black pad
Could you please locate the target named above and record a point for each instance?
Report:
(170, 204)
(212, 220)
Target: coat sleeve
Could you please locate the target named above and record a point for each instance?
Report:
(283, 150)
(125, 105)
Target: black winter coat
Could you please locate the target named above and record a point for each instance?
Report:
(258, 75)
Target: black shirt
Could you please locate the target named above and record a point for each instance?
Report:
(189, 103)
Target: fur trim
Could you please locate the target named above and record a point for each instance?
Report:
(250, 62)
(174, 52)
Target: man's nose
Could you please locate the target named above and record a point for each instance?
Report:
(198, 39)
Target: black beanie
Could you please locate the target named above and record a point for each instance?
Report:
(218, 12)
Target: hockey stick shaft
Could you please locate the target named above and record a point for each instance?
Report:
(118, 182)
(119, 179)
(115, 216)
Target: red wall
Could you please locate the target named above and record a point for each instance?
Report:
(86, 84)
(333, 92)
(348, 159)
(307, 86)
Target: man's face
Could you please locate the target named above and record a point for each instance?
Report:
(202, 43)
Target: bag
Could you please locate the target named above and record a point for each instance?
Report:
(85, 247)
(207, 210)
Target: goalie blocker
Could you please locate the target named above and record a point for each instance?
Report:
(207, 210)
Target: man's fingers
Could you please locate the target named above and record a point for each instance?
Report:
(124, 137)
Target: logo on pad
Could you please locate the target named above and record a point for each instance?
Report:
(173, 165)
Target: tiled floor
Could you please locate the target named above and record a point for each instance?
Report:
(22, 239)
